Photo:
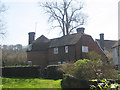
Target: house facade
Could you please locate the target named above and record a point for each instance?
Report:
(44, 51)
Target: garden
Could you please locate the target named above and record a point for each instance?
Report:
(92, 73)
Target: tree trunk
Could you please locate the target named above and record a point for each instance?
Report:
(63, 29)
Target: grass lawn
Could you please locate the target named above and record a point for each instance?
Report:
(30, 83)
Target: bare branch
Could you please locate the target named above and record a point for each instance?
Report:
(73, 13)
(69, 4)
(74, 27)
(64, 13)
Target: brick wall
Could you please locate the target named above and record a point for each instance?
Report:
(61, 56)
(87, 40)
(38, 58)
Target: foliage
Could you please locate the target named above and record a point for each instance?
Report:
(109, 54)
(13, 57)
(81, 69)
(119, 77)
(30, 83)
(109, 72)
(103, 84)
(88, 69)
(92, 55)
(67, 68)
(84, 69)
(2, 23)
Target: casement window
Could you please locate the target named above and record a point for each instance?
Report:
(29, 62)
(85, 49)
(55, 50)
(61, 62)
(66, 49)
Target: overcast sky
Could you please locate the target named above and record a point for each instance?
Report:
(22, 15)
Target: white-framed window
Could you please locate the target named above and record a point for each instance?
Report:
(64, 62)
(59, 63)
(85, 49)
(29, 62)
(66, 49)
(55, 50)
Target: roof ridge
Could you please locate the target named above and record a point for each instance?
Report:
(106, 40)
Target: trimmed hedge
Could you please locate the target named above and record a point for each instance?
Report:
(52, 72)
(22, 72)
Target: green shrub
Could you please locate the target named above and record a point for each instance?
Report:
(84, 69)
(119, 77)
(21, 71)
(89, 69)
(92, 55)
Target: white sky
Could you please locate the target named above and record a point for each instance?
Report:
(22, 15)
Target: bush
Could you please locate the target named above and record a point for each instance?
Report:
(89, 69)
(67, 68)
(52, 72)
(22, 71)
(84, 69)
(92, 55)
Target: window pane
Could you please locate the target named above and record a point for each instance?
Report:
(85, 49)
(55, 50)
(66, 49)
(29, 62)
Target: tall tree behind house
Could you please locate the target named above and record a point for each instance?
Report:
(67, 13)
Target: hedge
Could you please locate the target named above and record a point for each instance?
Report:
(52, 72)
(23, 71)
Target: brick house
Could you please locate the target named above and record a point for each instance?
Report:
(44, 51)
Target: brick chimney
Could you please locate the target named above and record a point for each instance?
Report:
(102, 41)
(31, 37)
(80, 30)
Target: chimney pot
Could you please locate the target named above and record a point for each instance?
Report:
(31, 37)
(102, 40)
(80, 30)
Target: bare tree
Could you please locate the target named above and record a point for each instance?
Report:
(13, 55)
(67, 13)
(2, 24)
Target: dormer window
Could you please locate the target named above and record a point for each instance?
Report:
(66, 49)
(55, 50)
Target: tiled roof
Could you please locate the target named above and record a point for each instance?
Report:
(116, 44)
(65, 40)
(42, 43)
(107, 44)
